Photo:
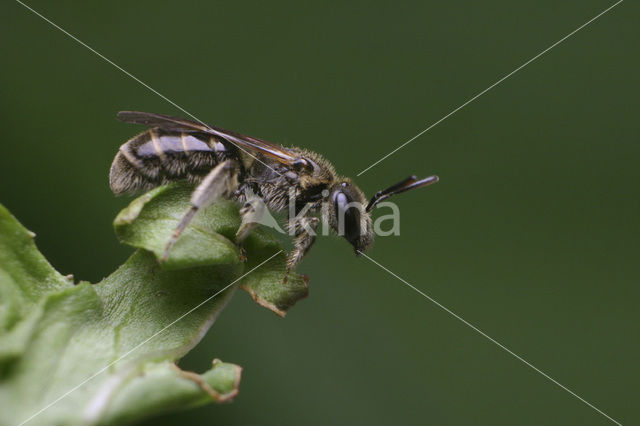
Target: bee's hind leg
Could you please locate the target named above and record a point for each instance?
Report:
(221, 180)
(251, 212)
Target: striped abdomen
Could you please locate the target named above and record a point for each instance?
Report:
(157, 157)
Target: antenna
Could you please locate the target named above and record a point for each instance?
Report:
(409, 183)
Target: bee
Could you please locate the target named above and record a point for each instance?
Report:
(222, 163)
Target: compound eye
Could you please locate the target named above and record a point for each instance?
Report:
(340, 202)
(348, 217)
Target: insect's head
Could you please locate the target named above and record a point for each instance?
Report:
(348, 215)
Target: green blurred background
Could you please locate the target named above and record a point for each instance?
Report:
(532, 234)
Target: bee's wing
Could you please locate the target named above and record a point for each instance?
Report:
(166, 122)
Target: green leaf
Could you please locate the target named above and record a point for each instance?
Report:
(265, 284)
(149, 221)
(105, 353)
(164, 387)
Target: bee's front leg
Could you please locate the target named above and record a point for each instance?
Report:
(305, 232)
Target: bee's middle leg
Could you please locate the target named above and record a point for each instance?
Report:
(220, 181)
